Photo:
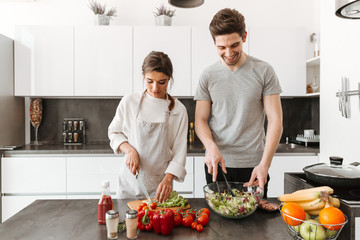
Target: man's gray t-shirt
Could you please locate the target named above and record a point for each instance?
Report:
(237, 112)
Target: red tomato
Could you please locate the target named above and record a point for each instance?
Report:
(204, 210)
(153, 205)
(203, 219)
(139, 208)
(191, 212)
(143, 204)
(199, 228)
(187, 220)
(145, 207)
(177, 219)
(193, 225)
(140, 226)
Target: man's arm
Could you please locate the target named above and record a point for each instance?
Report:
(273, 111)
(213, 156)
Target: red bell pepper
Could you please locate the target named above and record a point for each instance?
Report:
(145, 220)
(163, 221)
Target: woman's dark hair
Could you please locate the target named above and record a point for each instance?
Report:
(227, 21)
(159, 62)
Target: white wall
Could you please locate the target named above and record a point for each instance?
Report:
(339, 57)
(140, 12)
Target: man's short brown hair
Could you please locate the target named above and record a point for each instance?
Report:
(227, 21)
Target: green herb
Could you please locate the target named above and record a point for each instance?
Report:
(175, 200)
(121, 226)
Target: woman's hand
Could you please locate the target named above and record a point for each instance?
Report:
(164, 189)
(132, 157)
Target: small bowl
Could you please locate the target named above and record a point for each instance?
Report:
(294, 231)
(245, 202)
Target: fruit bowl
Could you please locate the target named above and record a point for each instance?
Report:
(243, 204)
(311, 228)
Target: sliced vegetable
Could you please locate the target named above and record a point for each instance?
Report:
(175, 200)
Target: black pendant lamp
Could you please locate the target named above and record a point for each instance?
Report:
(186, 3)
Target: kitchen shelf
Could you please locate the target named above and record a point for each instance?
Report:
(313, 62)
(313, 75)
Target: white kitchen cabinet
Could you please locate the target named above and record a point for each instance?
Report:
(282, 164)
(200, 179)
(85, 174)
(103, 60)
(175, 42)
(44, 61)
(203, 53)
(284, 48)
(186, 188)
(13, 204)
(33, 174)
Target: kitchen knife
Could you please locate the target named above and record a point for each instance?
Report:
(142, 186)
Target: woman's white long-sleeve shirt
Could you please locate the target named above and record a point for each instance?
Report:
(153, 110)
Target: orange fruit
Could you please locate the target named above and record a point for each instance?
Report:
(331, 216)
(295, 213)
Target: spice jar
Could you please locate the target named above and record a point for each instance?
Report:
(112, 221)
(131, 224)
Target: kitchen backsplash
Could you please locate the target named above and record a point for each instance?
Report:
(298, 114)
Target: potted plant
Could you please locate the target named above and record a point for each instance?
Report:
(163, 16)
(101, 16)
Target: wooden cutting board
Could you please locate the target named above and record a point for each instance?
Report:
(134, 204)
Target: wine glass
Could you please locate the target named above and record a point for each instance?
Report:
(36, 116)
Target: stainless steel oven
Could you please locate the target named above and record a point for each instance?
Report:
(349, 201)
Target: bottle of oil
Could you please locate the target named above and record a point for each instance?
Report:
(191, 133)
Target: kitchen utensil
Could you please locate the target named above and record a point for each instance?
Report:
(240, 206)
(334, 174)
(227, 184)
(142, 186)
(295, 232)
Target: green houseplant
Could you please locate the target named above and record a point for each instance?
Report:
(102, 17)
(163, 16)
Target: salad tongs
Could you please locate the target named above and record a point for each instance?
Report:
(227, 183)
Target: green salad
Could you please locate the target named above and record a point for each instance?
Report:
(242, 204)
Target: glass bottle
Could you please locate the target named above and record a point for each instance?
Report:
(191, 133)
(112, 222)
(105, 203)
(131, 221)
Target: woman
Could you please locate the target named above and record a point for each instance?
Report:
(150, 128)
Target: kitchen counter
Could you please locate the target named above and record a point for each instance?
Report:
(196, 149)
(77, 219)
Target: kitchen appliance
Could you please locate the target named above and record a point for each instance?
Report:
(186, 3)
(12, 109)
(347, 9)
(349, 199)
(73, 131)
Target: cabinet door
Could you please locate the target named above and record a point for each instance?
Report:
(103, 60)
(175, 42)
(33, 175)
(203, 53)
(282, 164)
(14, 204)
(284, 48)
(85, 174)
(44, 61)
(186, 188)
(200, 179)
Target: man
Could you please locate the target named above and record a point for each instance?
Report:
(236, 93)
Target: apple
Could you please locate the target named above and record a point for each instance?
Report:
(330, 233)
(297, 228)
(310, 230)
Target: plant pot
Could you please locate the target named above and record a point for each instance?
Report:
(163, 20)
(101, 19)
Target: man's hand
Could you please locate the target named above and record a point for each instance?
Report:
(164, 189)
(212, 159)
(258, 176)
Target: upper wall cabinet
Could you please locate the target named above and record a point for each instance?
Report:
(203, 53)
(175, 42)
(103, 60)
(44, 61)
(284, 48)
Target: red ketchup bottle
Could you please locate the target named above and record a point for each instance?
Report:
(105, 204)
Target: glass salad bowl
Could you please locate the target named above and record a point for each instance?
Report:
(243, 204)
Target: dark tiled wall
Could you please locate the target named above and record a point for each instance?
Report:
(298, 114)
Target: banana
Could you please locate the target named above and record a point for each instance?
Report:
(335, 202)
(300, 196)
(317, 189)
(312, 205)
(314, 212)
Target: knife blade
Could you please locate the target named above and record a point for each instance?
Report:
(142, 186)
